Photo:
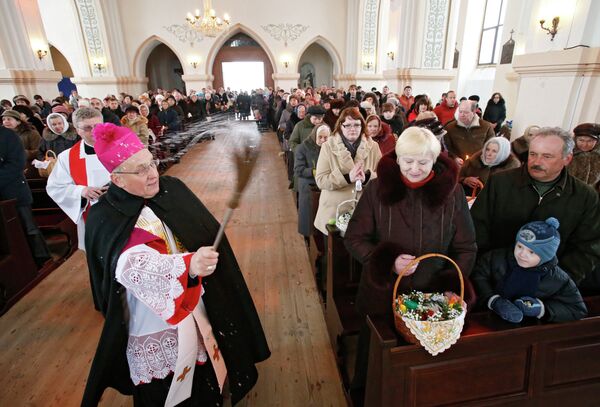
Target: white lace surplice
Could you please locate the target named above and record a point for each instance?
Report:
(152, 283)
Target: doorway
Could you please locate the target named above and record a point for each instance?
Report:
(164, 69)
(243, 76)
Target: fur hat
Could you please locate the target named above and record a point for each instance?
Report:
(337, 104)
(132, 108)
(114, 145)
(541, 237)
(432, 124)
(12, 113)
(316, 110)
(588, 129)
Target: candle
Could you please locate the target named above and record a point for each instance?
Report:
(467, 157)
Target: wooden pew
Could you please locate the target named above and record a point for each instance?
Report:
(494, 362)
(18, 271)
(341, 317)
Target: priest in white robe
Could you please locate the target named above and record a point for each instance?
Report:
(78, 178)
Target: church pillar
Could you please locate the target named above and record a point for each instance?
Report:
(110, 71)
(22, 35)
(420, 58)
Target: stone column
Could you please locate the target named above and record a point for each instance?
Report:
(21, 36)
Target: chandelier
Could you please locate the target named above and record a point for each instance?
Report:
(208, 24)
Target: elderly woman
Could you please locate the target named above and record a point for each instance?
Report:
(348, 155)
(414, 207)
(381, 133)
(586, 157)
(520, 145)
(136, 123)
(305, 163)
(494, 157)
(11, 119)
(58, 136)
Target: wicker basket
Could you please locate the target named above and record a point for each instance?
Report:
(51, 158)
(434, 336)
(338, 223)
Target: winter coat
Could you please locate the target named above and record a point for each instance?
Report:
(520, 147)
(108, 116)
(406, 102)
(557, 291)
(509, 200)
(396, 123)
(334, 162)
(57, 142)
(495, 113)
(30, 138)
(462, 141)
(445, 113)
(392, 219)
(301, 131)
(305, 162)
(385, 139)
(330, 119)
(586, 166)
(290, 124)
(474, 167)
(139, 126)
(12, 161)
(154, 125)
(169, 119)
(195, 108)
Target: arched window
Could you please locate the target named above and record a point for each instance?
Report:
(491, 32)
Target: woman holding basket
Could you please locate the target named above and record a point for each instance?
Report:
(415, 207)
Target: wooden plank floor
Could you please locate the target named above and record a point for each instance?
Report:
(48, 339)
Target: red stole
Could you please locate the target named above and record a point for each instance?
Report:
(78, 171)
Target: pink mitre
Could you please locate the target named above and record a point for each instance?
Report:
(115, 144)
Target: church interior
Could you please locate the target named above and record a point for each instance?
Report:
(470, 80)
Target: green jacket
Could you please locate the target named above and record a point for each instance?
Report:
(509, 201)
(300, 133)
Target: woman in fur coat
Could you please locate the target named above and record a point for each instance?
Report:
(586, 157)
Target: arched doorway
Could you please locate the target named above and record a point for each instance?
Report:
(315, 67)
(62, 65)
(241, 48)
(164, 69)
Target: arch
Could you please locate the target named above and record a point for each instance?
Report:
(329, 47)
(144, 50)
(236, 29)
(60, 62)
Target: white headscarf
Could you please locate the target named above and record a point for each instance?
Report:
(503, 151)
(65, 122)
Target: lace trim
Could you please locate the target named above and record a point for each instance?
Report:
(153, 278)
(154, 356)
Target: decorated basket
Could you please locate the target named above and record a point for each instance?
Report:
(343, 213)
(51, 159)
(435, 334)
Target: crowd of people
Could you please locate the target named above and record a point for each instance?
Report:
(407, 163)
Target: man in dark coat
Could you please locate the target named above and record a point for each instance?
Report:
(537, 191)
(114, 229)
(14, 186)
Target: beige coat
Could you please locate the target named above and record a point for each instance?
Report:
(335, 161)
(139, 126)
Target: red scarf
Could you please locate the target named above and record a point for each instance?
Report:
(418, 184)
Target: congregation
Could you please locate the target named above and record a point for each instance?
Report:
(418, 175)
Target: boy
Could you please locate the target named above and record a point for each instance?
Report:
(528, 282)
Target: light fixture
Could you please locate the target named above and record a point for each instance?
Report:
(208, 24)
(194, 61)
(41, 53)
(391, 55)
(286, 63)
(194, 64)
(551, 31)
(98, 64)
(368, 65)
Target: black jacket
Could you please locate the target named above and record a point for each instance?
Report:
(229, 306)
(12, 161)
(561, 298)
(509, 201)
(170, 119)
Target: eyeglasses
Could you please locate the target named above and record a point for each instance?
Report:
(142, 169)
(351, 126)
(88, 129)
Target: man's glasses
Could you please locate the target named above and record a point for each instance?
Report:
(88, 129)
(142, 169)
(351, 126)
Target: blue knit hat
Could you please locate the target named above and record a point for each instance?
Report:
(541, 237)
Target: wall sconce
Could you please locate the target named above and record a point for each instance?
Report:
(391, 55)
(98, 64)
(368, 65)
(551, 31)
(286, 63)
(194, 64)
(41, 53)
(194, 61)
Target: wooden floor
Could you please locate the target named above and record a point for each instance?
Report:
(48, 339)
